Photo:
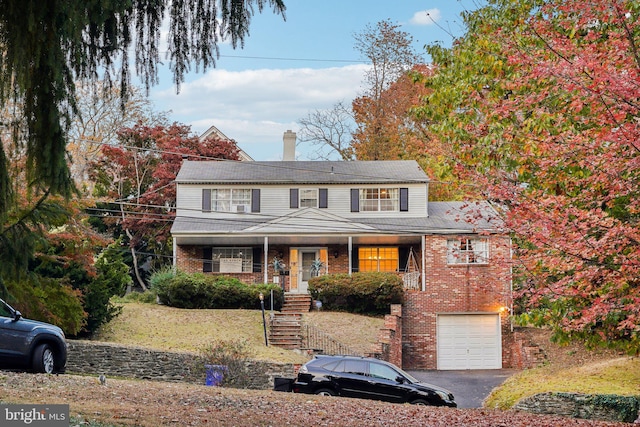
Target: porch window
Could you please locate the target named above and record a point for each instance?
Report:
(378, 199)
(378, 259)
(232, 260)
(231, 200)
(467, 251)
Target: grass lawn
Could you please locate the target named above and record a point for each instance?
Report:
(174, 329)
(573, 370)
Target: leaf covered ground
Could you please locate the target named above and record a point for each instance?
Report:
(148, 403)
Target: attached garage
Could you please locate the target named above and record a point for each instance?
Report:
(469, 341)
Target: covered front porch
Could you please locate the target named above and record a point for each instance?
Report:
(291, 260)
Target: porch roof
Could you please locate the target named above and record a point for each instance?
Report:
(314, 227)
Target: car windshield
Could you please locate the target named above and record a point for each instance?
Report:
(5, 310)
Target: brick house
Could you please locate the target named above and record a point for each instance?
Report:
(238, 218)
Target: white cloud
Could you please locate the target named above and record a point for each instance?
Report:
(255, 107)
(426, 17)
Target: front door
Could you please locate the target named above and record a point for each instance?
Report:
(307, 258)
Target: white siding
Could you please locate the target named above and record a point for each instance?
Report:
(274, 200)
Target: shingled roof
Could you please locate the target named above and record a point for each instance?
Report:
(301, 172)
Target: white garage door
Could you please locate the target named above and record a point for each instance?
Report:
(469, 341)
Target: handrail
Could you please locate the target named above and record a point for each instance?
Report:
(318, 341)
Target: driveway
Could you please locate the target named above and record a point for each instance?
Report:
(470, 387)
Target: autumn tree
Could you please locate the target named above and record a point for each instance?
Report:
(540, 101)
(134, 178)
(392, 56)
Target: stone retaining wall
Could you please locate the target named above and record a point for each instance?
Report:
(586, 406)
(90, 357)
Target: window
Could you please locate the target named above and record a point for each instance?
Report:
(378, 259)
(308, 198)
(384, 372)
(378, 199)
(232, 260)
(231, 200)
(467, 251)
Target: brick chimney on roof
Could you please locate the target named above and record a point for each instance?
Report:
(289, 140)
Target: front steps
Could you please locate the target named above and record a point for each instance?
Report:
(285, 330)
(296, 303)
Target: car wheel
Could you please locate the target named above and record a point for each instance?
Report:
(325, 392)
(43, 359)
(420, 402)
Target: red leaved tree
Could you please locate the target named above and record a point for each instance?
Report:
(545, 119)
(135, 180)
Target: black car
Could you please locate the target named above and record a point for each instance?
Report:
(30, 344)
(367, 378)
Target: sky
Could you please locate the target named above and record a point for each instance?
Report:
(291, 68)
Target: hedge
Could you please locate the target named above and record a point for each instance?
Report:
(361, 293)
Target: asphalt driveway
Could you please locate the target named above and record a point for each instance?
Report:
(470, 387)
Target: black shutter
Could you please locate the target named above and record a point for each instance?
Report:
(207, 262)
(404, 199)
(293, 198)
(355, 200)
(403, 258)
(355, 263)
(206, 200)
(255, 200)
(323, 197)
(257, 259)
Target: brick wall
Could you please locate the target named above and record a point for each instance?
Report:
(389, 344)
(454, 289)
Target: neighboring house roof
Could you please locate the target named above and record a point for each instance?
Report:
(215, 132)
(301, 172)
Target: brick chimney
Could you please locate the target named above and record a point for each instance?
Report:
(289, 140)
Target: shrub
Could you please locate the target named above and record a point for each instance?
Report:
(361, 293)
(212, 292)
(233, 355)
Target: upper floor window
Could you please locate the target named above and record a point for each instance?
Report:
(308, 197)
(378, 259)
(467, 251)
(230, 199)
(378, 199)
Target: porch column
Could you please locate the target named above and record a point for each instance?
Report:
(423, 276)
(266, 260)
(350, 257)
(175, 255)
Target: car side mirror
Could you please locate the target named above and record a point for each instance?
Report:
(399, 379)
(16, 316)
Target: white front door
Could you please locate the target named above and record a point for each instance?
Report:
(307, 257)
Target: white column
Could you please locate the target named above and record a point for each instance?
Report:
(175, 255)
(424, 273)
(266, 260)
(350, 250)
